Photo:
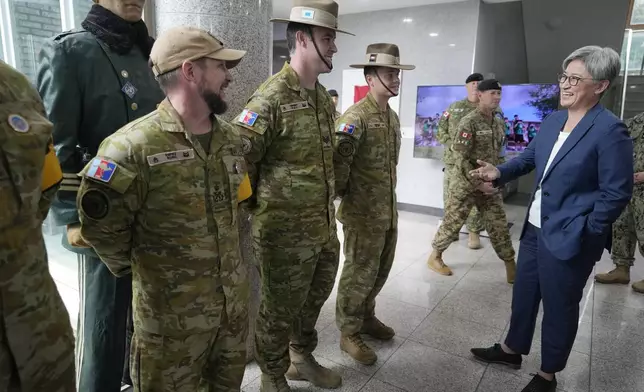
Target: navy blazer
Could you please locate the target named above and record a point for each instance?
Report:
(587, 186)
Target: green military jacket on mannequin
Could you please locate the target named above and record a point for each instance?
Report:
(89, 91)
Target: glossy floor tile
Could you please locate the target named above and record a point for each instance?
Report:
(438, 319)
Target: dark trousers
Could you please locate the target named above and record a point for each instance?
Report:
(104, 327)
(560, 284)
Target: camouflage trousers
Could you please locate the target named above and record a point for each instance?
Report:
(296, 282)
(628, 231)
(474, 221)
(491, 207)
(36, 338)
(369, 255)
(199, 362)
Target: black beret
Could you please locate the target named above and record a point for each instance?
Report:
(489, 84)
(475, 77)
(333, 93)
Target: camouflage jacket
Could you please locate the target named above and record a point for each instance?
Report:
(636, 129)
(477, 137)
(89, 91)
(287, 134)
(154, 202)
(29, 170)
(448, 123)
(367, 144)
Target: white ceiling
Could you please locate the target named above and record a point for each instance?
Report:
(282, 8)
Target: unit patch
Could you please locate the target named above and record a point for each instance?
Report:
(346, 148)
(18, 123)
(95, 204)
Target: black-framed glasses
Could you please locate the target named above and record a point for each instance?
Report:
(573, 80)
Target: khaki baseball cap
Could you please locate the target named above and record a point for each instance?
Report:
(180, 44)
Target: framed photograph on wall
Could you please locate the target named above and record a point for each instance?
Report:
(354, 88)
(524, 107)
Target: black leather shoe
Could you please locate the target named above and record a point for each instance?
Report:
(495, 354)
(540, 384)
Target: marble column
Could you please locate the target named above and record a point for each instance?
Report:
(244, 25)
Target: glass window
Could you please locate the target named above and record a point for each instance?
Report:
(1, 48)
(637, 16)
(636, 59)
(81, 8)
(33, 22)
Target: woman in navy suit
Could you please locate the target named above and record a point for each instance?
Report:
(583, 157)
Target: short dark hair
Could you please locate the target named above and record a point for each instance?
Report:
(370, 71)
(291, 31)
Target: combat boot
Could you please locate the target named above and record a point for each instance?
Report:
(474, 241)
(638, 287)
(510, 270)
(435, 263)
(304, 367)
(358, 349)
(273, 384)
(620, 275)
(377, 329)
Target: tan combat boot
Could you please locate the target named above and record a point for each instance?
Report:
(510, 271)
(273, 384)
(306, 368)
(638, 287)
(474, 241)
(435, 263)
(377, 329)
(358, 349)
(620, 275)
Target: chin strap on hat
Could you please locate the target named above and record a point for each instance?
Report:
(315, 45)
(385, 85)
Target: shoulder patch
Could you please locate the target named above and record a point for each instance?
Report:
(18, 123)
(465, 135)
(101, 169)
(346, 128)
(446, 114)
(248, 117)
(247, 145)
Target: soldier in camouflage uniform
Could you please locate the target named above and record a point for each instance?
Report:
(446, 134)
(160, 200)
(367, 143)
(288, 125)
(628, 230)
(36, 339)
(480, 135)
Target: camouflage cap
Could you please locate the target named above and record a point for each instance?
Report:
(180, 44)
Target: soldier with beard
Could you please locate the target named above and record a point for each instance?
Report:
(287, 125)
(160, 200)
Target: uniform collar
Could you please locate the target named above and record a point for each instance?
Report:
(292, 81)
(373, 105)
(172, 121)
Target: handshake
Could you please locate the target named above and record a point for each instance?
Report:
(486, 173)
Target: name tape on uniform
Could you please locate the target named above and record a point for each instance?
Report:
(377, 125)
(171, 156)
(485, 132)
(289, 107)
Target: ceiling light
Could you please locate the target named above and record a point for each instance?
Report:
(282, 57)
(408, 20)
(433, 34)
(452, 45)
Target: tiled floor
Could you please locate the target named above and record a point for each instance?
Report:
(438, 319)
